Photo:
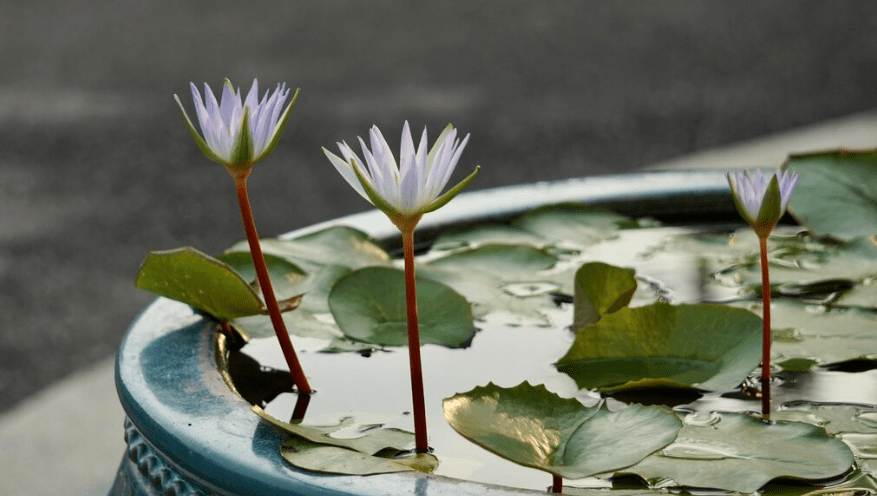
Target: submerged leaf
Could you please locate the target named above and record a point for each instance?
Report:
(704, 346)
(743, 453)
(369, 305)
(534, 427)
(200, 281)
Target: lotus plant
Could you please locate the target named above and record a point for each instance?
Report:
(405, 192)
(237, 133)
(762, 201)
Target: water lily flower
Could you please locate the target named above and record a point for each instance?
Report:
(238, 133)
(413, 187)
(762, 200)
(405, 192)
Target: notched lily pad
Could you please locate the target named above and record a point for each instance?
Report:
(379, 451)
(534, 427)
(743, 453)
(704, 346)
(200, 281)
(369, 306)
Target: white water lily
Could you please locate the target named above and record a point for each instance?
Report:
(237, 133)
(760, 199)
(413, 187)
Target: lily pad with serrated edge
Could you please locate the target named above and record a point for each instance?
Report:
(703, 346)
(743, 453)
(534, 427)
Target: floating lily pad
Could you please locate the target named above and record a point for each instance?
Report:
(369, 305)
(536, 428)
(743, 453)
(332, 246)
(575, 223)
(836, 192)
(824, 335)
(600, 289)
(476, 236)
(855, 260)
(286, 277)
(375, 452)
(704, 346)
(505, 262)
(200, 281)
(513, 303)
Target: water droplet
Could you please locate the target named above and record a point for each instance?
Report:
(702, 419)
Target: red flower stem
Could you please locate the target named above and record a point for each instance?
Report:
(557, 484)
(417, 397)
(298, 376)
(765, 330)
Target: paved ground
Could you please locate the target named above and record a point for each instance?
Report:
(98, 169)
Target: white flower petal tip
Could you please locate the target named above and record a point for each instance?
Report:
(411, 187)
(762, 200)
(238, 132)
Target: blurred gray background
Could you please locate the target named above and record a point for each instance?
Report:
(97, 168)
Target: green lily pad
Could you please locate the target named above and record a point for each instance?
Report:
(375, 452)
(286, 277)
(534, 427)
(337, 245)
(369, 305)
(199, 280)
(836, 192)
(743, 453)
(809, 263)
(521, 302)
(505, 262)
(824, 335)
(600, 289)
(312, 317)
(835, 419)
(476, 236)
(704, 346)
(575, 223)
